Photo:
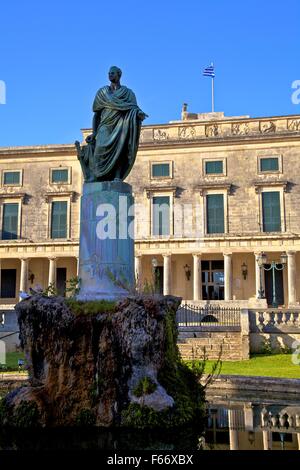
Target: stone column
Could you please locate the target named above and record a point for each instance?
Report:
(167, 274)
(77, 267)
(24, 274)
(52, 272)
(259, 277)
(138, 270)
(267, 439)
(291, 266)
(233, 432)
(197, 281)
(227, 276)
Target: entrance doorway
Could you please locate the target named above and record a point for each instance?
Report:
(212, 280)
(159, 280)
(278, 286)
(61, 281)
(8, 283)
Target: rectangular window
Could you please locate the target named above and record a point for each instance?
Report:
(60, 176)
(269, 164)
(271, 211)
(59, 219)
(215, 213)
(160, 170)
(12, 177)
(214, 167)
(161, 215)
(10, 221)
(8, 283)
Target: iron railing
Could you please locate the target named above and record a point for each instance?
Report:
(208, 316)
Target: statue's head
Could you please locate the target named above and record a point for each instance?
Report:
(114, 73)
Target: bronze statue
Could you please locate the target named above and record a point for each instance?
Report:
(111, 149)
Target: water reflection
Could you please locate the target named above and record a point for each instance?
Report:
(232, 423)
(252, 425)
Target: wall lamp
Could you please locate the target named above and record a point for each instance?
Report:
(244, 270)
(187, 271)
(31, 277)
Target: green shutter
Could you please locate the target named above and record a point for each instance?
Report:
(215, 213)
(10, 221)
(271, 211)
(11, 177)
(161, 215)
(160, 170)
(59, 219)
(60, 176)
(269, 164)
(214, 167)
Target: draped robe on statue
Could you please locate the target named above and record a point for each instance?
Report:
(117, 133)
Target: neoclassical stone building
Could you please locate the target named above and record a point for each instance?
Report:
(212, 193)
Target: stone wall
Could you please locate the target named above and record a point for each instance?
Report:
(226, 343)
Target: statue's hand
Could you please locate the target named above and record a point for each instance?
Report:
(90, 138)
(142, 115)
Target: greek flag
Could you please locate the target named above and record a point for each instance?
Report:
(209, 71)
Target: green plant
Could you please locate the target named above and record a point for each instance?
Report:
(26, 415)
(198, 367)
(148, 288)
(122, 282)
(284, 349)
(73, 286)
(146, 386)
(266, 347)
(85, 418)
(93, 307)
(50, 291)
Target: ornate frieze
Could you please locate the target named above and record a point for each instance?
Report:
(187, 132)
(293, 125)
(212, 130)
(240, 128)
(267, 127)
(161, 134)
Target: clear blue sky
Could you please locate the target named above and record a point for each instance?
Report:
(54, 55)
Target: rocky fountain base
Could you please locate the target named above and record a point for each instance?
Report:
(102, 364)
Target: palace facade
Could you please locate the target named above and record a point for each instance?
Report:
(211, 192)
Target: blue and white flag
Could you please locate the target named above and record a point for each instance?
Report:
(209, 71)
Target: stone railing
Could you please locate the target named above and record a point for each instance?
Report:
(226, 128)
(279, 421)
(273, 319)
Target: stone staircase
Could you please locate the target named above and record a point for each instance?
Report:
(192, 343)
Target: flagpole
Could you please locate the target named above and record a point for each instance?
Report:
(212, 95)
(212, 92)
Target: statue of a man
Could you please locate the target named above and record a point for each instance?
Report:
(112, 148)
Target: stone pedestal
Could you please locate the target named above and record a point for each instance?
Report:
(106, 252)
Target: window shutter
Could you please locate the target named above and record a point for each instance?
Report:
(214, 167)
(215, 213)
(60, 176)
(10, 221)
(271, 211)
(11, 177)
(269, 164)
(59, 219)
(160, 170)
